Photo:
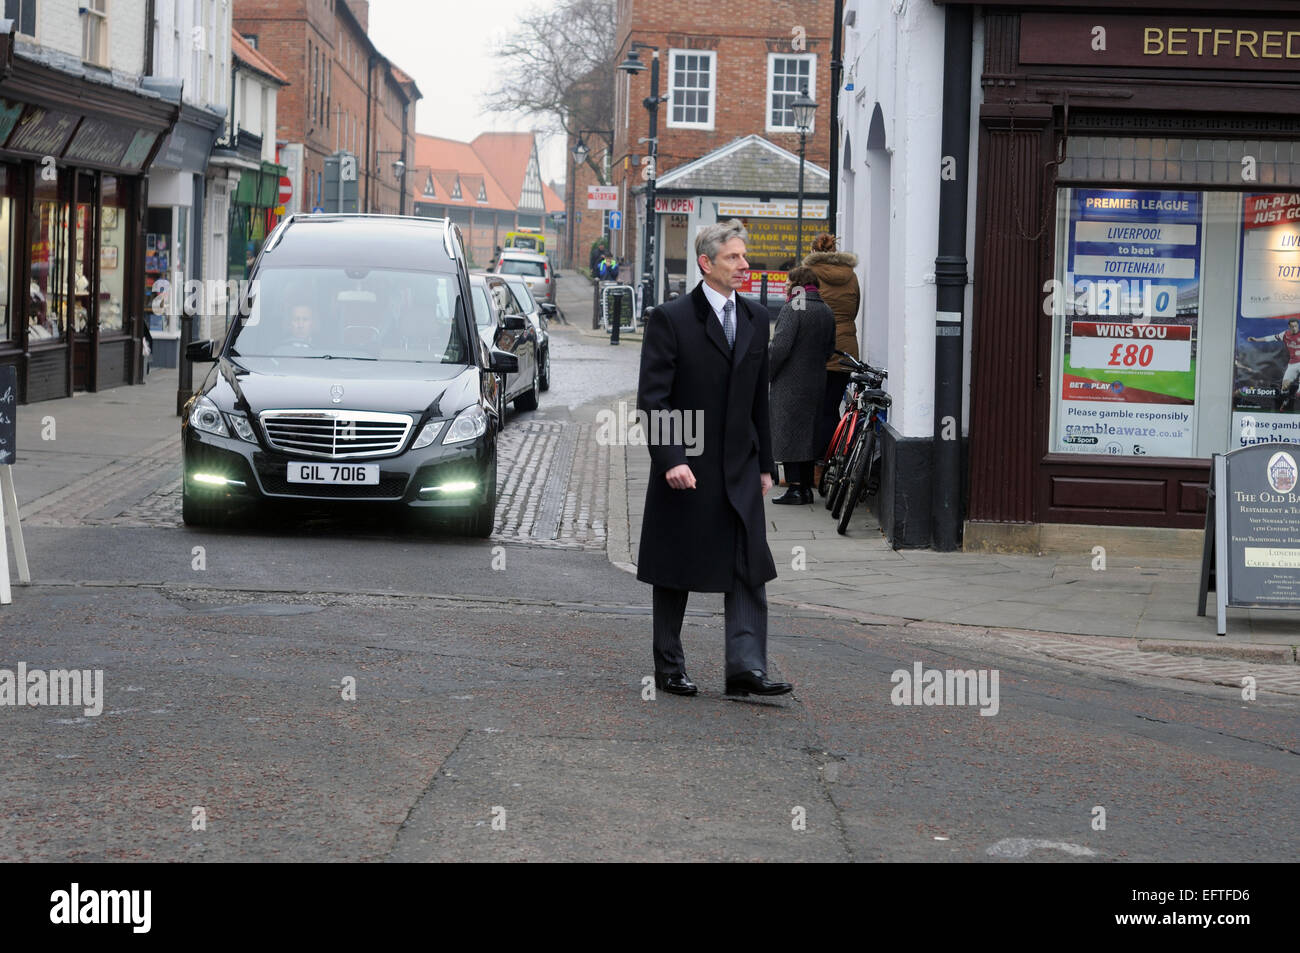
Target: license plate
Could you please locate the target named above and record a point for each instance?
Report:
(334, 473)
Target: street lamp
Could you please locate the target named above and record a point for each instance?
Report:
(580, 154)
(399, 172)
(803, 108)
(633, 65)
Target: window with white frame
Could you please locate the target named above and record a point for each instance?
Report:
(94, 32)
(786, 76)
(691, 75)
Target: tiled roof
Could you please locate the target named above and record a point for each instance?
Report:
(244, 52)
(506, 155)
(749, 164)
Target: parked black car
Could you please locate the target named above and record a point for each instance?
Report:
(504, 325)
(539, 314)
(354, 376)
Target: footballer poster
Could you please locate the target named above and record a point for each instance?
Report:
(1266, 365)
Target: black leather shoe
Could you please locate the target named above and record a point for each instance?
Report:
(795, 496)
(756, 683)
(678, 684)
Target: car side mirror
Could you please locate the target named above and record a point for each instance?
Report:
(515, 322)
(503, 362)
(548, 309)
(200, 351)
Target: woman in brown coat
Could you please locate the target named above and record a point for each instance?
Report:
(838, 284)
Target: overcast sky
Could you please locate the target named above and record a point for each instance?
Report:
(446, 46)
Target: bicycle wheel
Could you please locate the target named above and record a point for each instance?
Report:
(858, 481)
(836, 459)
(846, 472)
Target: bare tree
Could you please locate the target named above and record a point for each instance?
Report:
(559, 64)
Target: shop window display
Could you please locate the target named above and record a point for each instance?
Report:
(47, 291)
(112, 242)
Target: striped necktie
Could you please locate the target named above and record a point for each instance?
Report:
(728, 324)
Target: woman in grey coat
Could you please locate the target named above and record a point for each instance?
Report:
(803, 341)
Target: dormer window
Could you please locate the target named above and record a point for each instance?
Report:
(428, 186)
(455, 189)
(482, 194)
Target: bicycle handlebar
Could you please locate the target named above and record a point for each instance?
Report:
(848, 360)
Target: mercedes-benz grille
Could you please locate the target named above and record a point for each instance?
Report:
(336, 434)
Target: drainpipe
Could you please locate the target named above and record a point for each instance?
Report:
(950, 279)
(837, 80)
(370, 69)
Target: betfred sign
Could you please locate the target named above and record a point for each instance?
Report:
(675, 206)
(602, 196)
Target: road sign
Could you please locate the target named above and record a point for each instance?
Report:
(286, 190)
(615, 221)
(316, 210)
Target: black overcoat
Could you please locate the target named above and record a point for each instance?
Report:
(803, 340)
(688, 537)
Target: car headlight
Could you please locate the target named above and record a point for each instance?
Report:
(207, 418)
(428, 434)
(469, 423)
(242, 428)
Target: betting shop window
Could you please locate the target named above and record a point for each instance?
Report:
(82, 263)
(691, 76)
(1176, 321)
(47, 292)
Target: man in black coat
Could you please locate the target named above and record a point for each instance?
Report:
(703, 391)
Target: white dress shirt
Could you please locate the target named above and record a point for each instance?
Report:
(716, 301)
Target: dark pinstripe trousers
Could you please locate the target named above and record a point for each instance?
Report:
(745, 609)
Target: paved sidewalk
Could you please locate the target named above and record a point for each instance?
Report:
(1136, 614)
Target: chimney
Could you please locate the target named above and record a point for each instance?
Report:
(361, 10)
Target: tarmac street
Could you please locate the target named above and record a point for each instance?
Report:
(343, 687)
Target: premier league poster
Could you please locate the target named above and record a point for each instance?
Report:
(1266, 366)
(1132, 310)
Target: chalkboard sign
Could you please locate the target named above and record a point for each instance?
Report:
(1252, 530)
(8, 414)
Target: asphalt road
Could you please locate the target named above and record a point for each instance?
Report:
(353, 689)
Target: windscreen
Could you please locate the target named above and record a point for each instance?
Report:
(522, 296)
(519, 266)
(354, 313)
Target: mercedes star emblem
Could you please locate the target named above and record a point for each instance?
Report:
(336, 393)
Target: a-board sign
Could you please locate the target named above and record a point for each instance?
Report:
(1252, 530)
(617, 302)
(8, 414)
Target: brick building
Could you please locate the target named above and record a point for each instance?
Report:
(728, 70)
(488, 187)
(344, 95)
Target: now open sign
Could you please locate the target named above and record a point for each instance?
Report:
(8, 414)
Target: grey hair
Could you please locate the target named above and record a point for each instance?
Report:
(712, 237)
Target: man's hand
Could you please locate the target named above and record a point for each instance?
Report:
(680, 477)
(766, 480)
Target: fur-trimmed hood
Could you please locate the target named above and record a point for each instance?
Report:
(832, 267)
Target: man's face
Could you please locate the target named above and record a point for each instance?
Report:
(301, 322)
(728, 271)
(1294, 326)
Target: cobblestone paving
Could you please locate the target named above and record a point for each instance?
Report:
(552, 480)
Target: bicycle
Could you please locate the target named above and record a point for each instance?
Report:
(862, 467)
(837, 451)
